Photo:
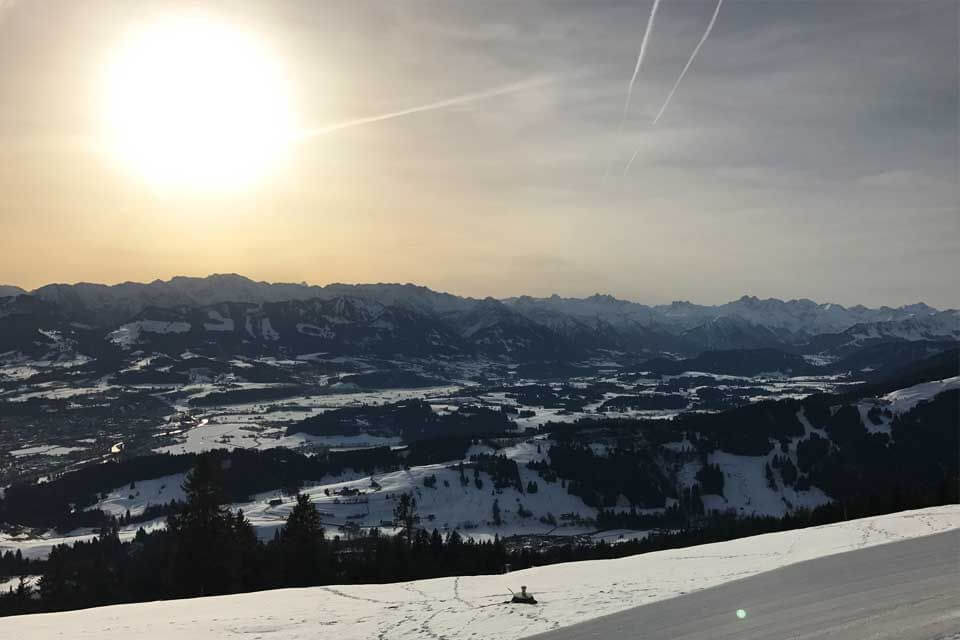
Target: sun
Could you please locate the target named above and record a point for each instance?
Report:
(197, 104)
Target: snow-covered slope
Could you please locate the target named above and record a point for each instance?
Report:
(807, 315)
(732, 332)
(935, 326)
(904, 400)
(792, 315)
(334, 325)
(472, 607)
(368, 501)
(129, 334)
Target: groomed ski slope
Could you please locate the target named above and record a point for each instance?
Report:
(471, 607)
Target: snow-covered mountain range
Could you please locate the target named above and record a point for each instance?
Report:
(9, 290)
(411, 319)
(797, 316)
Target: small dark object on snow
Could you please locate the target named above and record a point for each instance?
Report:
(523, 597)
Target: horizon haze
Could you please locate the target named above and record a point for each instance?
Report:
(480, 296)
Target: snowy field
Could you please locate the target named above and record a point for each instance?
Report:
(472, 607)
(44, 450)
(369, 501)
(745, 488)
(262, 425)
(39, 546)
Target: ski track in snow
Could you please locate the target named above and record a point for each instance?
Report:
(474, 607)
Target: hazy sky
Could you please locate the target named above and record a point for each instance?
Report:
(811, 151)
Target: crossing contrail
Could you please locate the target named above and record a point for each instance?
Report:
(676, 84)
(633, 79)
(693, 55)
(466, 98)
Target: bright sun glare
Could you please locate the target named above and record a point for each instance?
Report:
(197, 104)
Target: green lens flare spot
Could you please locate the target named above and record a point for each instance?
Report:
(741, 614)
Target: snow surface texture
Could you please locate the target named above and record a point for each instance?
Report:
(473, 607)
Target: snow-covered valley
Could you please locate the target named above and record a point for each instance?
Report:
(457, 495)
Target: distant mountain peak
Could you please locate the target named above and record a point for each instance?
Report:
(9, 290)
(604, 298)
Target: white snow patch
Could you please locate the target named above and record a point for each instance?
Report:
(745, 488)
(219, 323)
(157, 491)
(11, 584)
(820, 359)
(16, 372)
(319, 355)
(35, 547)
(315, 331)
(231, 433)
(129, 334)
(267, 330)
(904, 400)
(864, 408)
(49, 391)
(45, 450)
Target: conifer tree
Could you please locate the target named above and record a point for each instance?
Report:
(302, 542)
(202, 532)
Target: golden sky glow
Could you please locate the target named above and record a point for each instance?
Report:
(463, 145)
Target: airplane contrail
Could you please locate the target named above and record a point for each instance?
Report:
(643, 50)
(466, 98)
(693, 55)
(633, 78)
(676, 84)
(629, 164)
